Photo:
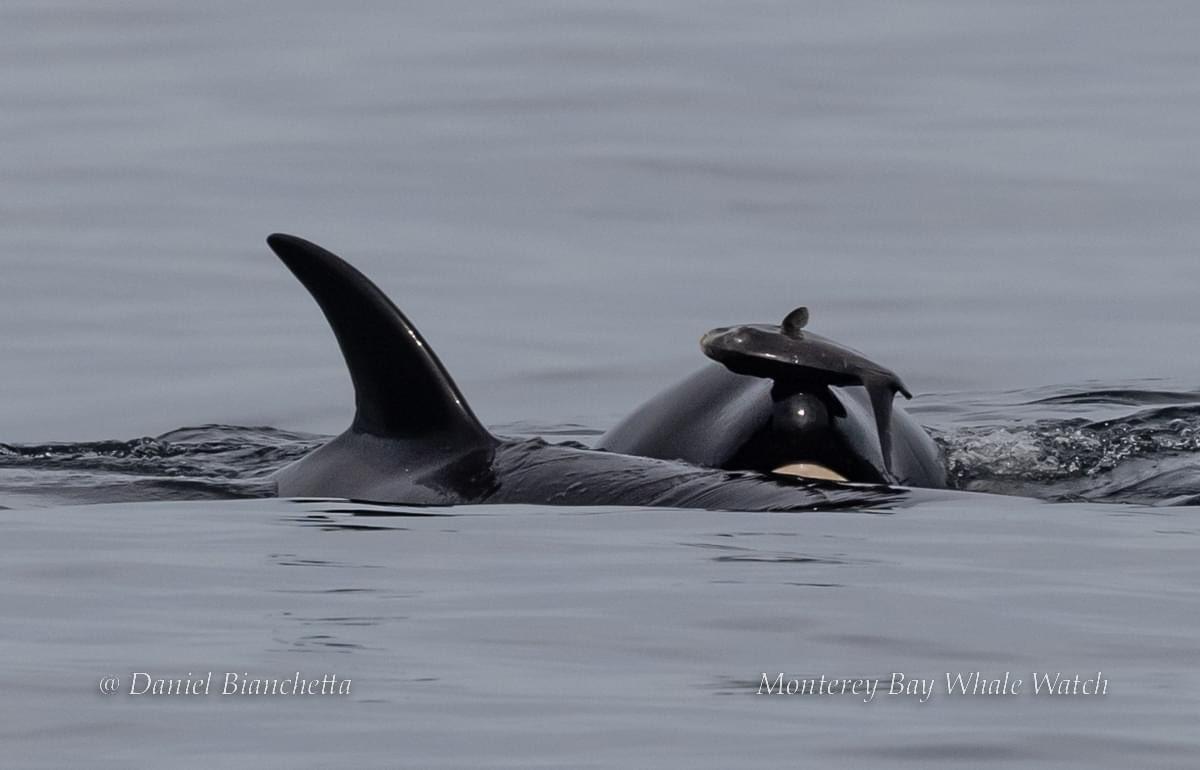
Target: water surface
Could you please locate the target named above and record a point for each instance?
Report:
(997, 201)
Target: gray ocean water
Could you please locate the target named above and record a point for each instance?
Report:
(999, 201)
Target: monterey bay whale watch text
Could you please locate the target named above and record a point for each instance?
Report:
(922, 689)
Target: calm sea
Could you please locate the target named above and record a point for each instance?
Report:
(997, 200)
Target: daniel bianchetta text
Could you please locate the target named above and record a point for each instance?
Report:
(961, 683)
(229, 683)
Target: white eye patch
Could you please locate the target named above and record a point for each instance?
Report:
(809, 471)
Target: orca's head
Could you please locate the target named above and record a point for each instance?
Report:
(814, 431)
(818, 409)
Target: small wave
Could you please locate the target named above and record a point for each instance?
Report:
(202, 462)
(1130, 396)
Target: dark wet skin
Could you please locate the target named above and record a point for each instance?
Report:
(414, 439)
(716, 418)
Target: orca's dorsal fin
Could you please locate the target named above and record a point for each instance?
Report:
(401, 388)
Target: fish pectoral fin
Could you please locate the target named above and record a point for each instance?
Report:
(882, 392)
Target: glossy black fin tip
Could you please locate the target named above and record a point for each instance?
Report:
(401, 388)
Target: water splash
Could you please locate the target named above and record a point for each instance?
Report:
(204, 462)
(1132, 444)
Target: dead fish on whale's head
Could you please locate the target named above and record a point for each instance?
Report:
(787, 355)
(788, 401)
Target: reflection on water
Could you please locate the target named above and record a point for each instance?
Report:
(609, 633)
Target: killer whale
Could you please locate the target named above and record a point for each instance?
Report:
(789, 401)
(721, 419)
(415, 440)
